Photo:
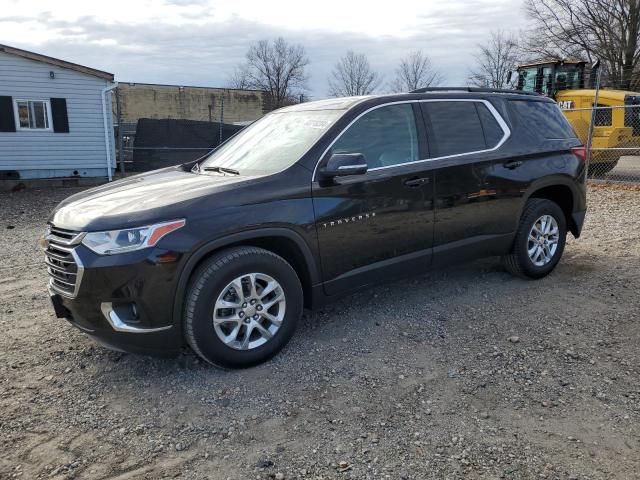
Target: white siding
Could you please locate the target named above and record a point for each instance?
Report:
(46, 154)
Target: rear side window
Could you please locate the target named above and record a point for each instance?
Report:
(461, 127)
(545, 118)
(455, 128)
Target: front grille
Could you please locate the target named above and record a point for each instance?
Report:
(63, 265)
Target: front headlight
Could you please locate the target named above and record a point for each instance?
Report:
(129, 239)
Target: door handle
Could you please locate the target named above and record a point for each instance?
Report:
(416, 181)
(513, 164)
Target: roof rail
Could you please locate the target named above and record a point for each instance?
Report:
(471, 90)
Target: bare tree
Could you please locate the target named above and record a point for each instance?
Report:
(588, 29)
(239, 79)
(353, 75)
(494, 61)
(416, 71)
(276, 67)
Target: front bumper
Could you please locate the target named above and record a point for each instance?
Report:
(125, 301)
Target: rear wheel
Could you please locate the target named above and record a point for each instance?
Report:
(539, 241)
(242, 307)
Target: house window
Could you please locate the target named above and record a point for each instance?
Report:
(33, 114)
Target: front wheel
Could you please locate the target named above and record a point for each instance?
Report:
(539, 241)
(242, 307)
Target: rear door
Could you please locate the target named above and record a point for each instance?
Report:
(477, 191)
(380, 224)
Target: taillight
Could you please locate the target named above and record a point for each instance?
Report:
(580, 152)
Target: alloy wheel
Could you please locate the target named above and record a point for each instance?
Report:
(543, 239)
(249, 311)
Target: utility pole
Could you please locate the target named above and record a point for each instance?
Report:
(596, 66)
(120, 132)
(221, 117)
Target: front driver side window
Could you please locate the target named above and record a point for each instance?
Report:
(385, 136)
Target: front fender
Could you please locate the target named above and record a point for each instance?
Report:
(235, 238)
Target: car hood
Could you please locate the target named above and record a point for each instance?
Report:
(140, 200)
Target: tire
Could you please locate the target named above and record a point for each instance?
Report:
(219, 275)
(518, 261)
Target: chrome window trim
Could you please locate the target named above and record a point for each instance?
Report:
(503, 125)
(345, 167)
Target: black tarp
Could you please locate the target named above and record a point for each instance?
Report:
(166, 142)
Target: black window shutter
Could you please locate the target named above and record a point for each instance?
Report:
(59, 115)
(7, 120)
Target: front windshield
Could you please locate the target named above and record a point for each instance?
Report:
(273, 143)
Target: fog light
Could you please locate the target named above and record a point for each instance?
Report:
(123, 317)
(127, 312)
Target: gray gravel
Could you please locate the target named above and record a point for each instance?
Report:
(463, 373)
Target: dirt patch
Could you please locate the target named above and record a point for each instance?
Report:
(466, 372)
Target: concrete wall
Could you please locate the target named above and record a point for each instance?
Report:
(45, 154)
(141, 100)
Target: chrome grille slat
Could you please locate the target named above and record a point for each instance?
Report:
(58, 258)
(58, 248)
(54, 256)
(58, 268)
(62, 275)
(65, 237)
(62, 232)
(63, 265)
(60, 263)
(70, 284)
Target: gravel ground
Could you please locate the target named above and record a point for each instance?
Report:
(463, 373)
(627, 170)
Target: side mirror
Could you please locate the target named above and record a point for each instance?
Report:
(343, 164)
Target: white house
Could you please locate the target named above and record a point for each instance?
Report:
(55, 118)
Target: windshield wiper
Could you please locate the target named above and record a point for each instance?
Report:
(230, 171)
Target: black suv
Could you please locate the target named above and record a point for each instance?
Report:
(310, 202)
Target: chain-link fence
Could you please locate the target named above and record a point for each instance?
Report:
(605, 113)
(163, 125)
(152, 143)
(600, 103)
(612, 133)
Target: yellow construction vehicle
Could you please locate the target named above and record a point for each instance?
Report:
(617, 120)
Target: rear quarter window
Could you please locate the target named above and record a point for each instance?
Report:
(461, 127)
(493, 133)
(543, 118)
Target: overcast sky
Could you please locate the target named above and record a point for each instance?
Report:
(198, 42)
